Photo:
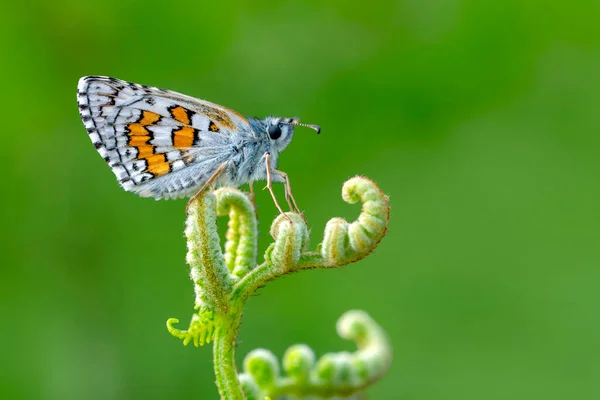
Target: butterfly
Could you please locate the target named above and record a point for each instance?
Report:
(167, 145)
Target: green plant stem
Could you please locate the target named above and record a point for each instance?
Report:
(223, 282)
(224, 357)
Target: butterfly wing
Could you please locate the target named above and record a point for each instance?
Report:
(159, 143)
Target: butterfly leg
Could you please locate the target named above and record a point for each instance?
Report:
(208, 183)
(270, 183)
(289, 197)
(252, 198)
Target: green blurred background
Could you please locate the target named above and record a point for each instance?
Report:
(479, 119)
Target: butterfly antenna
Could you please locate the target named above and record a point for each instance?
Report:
(315, 127)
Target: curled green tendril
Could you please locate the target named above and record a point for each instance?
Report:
(298, 361)
(207, 265)
(334, 374)
(290, 239)
(348, 242)
(225, 279)
(242, 238)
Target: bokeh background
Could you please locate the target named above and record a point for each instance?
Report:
(479, 119)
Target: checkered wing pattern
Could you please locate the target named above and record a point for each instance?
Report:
(159, 143)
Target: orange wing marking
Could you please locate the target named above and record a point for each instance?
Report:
(213, 127)
(181, 114)
(183, 138)
(139, 138)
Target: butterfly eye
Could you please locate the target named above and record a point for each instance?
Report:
(274, 131)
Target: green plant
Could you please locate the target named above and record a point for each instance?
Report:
(224, 280)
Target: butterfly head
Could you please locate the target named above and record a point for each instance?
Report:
(280, 131)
